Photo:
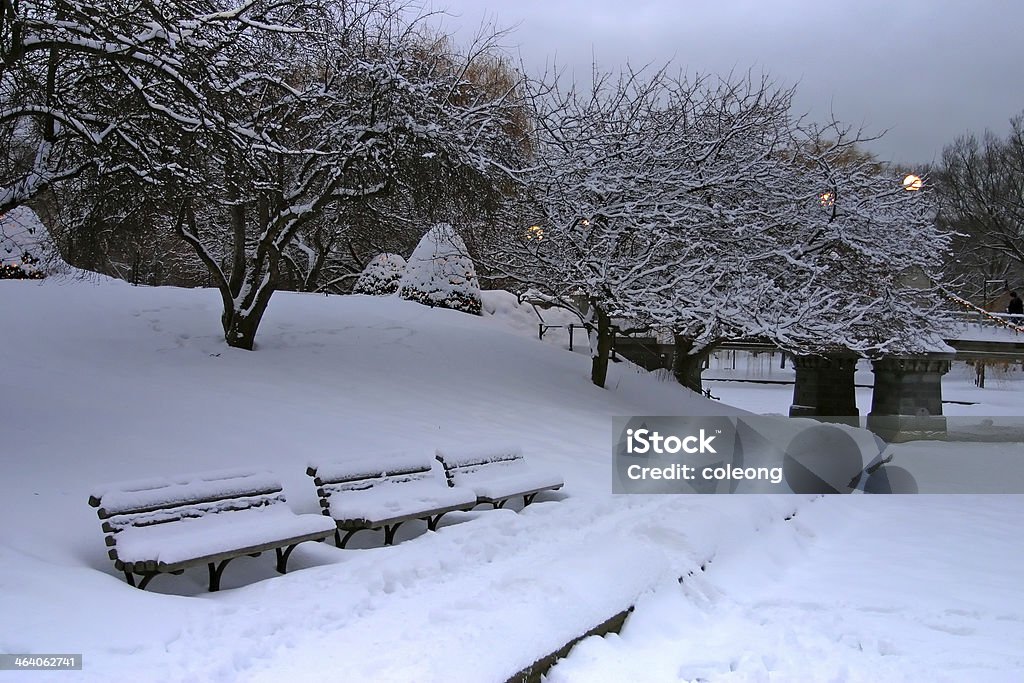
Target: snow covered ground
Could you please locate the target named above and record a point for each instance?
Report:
(100, 381)
(868, 589)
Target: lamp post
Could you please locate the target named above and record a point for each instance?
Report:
(997, 286)
(912, 183)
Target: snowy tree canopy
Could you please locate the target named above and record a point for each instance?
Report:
(244, 126)
(381, 276)
(705, 207)
(84, 83)
(440, 272)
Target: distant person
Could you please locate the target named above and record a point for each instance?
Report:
(1016, 306)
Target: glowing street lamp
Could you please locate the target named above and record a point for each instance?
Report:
(535, 232)
(912, 183)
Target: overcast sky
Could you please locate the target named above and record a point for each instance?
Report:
(927, 71)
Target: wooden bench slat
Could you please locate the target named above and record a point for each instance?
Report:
(117, 522)
(157, 494)
(105, 513)
(384, 465)
(462, 457)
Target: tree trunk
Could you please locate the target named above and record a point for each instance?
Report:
(240, 332)
(601, 347)
(242, 318)
(686, 366)
(240, 329)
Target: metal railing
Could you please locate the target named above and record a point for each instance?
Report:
(542, 329)
(1013, 322)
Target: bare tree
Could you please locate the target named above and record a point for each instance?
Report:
(330, 252)
(636, 203)
(354, 115)
(981, 185)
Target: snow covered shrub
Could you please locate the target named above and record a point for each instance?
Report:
(25, 267)
(26, 251)
(381, 276)
(440, 272)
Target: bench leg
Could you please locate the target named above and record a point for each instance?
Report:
(215, 571)
(282, 558)
(432, 521)
(498, 504)
(146, 578)
(341, 542)
(528, 498)
(389, 533)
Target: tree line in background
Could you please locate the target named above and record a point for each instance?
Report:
(981, 187)
(284, 144)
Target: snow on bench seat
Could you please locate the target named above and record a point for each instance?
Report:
(383, 493)
(388, 501)
(193, 540)
(167, 525)
(496, 474)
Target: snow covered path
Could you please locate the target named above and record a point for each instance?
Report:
(511, 588)
(477, 601)
(926, 588)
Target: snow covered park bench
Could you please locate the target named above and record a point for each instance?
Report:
(497, 475)
(162, 526)
(383, 494)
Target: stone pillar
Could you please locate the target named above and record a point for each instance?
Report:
(825, 387)
(906, 403)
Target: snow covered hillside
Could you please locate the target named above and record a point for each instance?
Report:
(101, 381)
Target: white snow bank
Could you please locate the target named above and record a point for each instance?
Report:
(885, 588)
(505, 309)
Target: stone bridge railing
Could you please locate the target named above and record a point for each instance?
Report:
(906, 402)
